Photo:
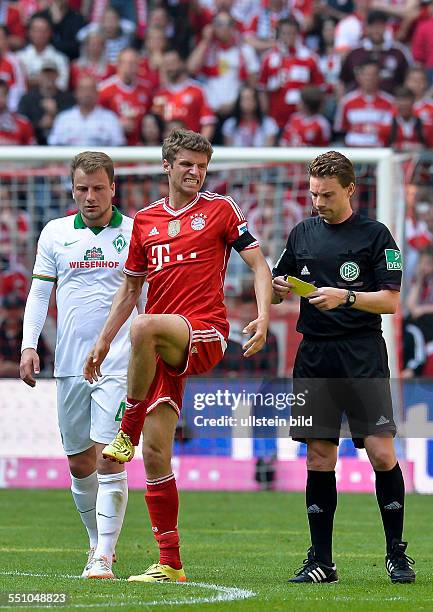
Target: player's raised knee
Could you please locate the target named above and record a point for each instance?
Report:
(144, 328)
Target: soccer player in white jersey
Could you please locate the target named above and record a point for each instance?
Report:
(84, 256)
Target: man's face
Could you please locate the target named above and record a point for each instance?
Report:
(127, 65)
(172, 66)
(40, 33)
(188, 172)
(288, 35)
(93, 195)
(368, 78)
(330, 199)
(376, 32)
(86, 93)
(417, 82)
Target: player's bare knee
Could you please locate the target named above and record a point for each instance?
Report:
(81, 465)
(382, 460)
(155, 459)
(321, 457)
(143, 330)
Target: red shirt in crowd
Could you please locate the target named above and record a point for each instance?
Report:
(306, 130)
(129, 102)
(361, 117)
(185, 102)
(283, 75)
(15, 130)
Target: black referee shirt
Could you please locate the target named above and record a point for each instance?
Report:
(358, 254)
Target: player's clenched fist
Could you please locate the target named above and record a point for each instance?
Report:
(92, 365)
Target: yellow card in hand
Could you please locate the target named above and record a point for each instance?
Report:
(300, 287)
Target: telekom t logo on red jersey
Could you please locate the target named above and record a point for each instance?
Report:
(161, 255)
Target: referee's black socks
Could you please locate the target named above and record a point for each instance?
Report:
(390, 497)
(321, 501)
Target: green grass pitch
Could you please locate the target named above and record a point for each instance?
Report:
(234, 545)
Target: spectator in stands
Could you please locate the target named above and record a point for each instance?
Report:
(14, 234)
(181, 98)
(350, 29)
(224, 62)
(87, 124)
(155, 45)
(65, 24)
(127, 95)
(417, 81)
(40, 51)
(362, 113)
(14, 128)
(261, 32)
(11, 71)
(393, 58)
(159, 17)
(134, 11)
(329, 63)
(285, 70)
(152, 129)
(419, 303)
(42, 103)
(92, 61)
(407, 131)
(307, 127)
(10, 16)
(249, 126)
(118, 33)
(422, 40)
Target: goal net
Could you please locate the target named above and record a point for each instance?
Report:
(270, 186)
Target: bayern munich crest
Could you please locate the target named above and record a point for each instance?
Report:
(198, 221)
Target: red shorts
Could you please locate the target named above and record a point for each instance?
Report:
(206, 348)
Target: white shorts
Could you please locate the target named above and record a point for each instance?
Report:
(89, 413)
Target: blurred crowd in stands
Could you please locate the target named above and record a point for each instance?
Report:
(96, 73)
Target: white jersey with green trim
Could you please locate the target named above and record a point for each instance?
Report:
(87, 265)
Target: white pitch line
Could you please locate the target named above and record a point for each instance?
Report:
(223, 593)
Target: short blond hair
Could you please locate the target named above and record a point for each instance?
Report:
(185, 139)
(91, 161)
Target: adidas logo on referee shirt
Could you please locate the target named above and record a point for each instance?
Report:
(153, 232)
(314, 509)
(304, 271)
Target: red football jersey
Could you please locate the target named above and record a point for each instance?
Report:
(185, 102)
(283, 75)
(15, 130)
(127, 101)
(424, 110)
(304, 130)
(361, 117)
(184, 254)
(99, 72)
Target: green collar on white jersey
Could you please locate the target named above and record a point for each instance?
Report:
(115, 221)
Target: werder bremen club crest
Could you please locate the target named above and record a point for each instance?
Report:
(173, 227)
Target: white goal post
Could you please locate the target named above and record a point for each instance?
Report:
(388, 204)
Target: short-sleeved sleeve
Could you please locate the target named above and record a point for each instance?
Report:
(236, 228)
(136, 263)
(45, 264)
(387, 260)
(286, 263)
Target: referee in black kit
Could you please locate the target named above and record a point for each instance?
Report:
(356, 265)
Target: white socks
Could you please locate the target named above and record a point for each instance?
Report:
(84, 491)
(110, 509)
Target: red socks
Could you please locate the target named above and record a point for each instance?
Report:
(133, 419)
(163, 505)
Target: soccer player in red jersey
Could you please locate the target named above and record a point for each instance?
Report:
(181, 245)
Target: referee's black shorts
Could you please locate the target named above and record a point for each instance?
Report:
(342, 376)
